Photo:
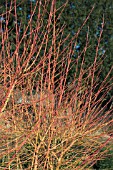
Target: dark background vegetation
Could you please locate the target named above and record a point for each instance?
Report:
(73, 16)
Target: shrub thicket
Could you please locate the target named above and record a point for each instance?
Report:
(48, 120)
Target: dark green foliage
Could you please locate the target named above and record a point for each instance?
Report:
(74, 15)
(106, 163)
